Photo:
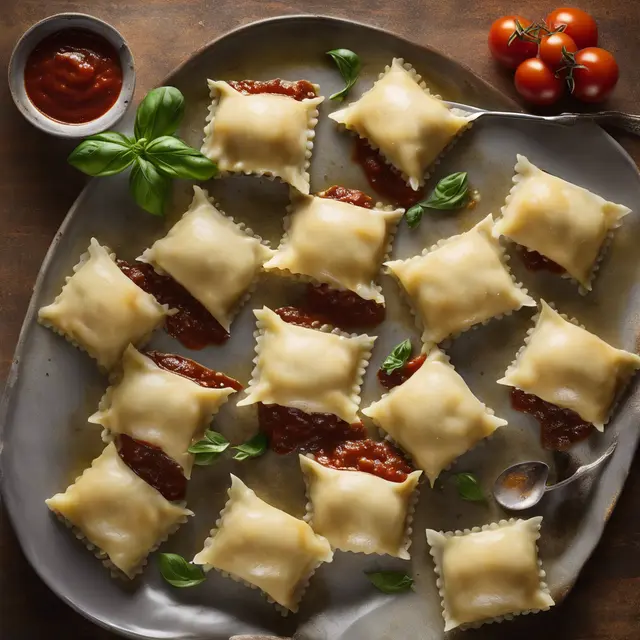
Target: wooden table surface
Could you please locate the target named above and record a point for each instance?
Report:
(37, 188)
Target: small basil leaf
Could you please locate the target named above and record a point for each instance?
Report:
(104, 154)
(252, 448)
(391, 581)
(469, 487)
(149, 187)
(414, 215)
(349, 66)
(176, 159)
(178, 572)
(213, 442)
(450, 193)
(398, 357)
(160, 113)
(205, 459)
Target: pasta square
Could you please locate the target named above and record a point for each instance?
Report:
(360, 512)
(215, 259)
(116, 511)
(399, 117)
(336, 243)
(159, 407)
(100, 310)
(307, 369)
(489, 574)
(459, 282)
(434, 416)
(566, 365)
(565, 223)
(264, 547)
(264, 134)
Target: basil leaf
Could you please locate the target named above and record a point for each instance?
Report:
(176, 159)
(178, 572)
(149, 187)
(252, 448)
(391, 581)
(160, 113)
(450, 193)
(469, 487)
(398, 357)
(349, 66)
(104, 154)
(213, 442)
(414, 215)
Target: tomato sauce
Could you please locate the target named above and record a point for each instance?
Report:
(559, 428)
(383, 178)
(534, 261)
(342, 308)
(193, 325)
(398, 376)
(351, 196)
(298, 90)
(295, 315)
(192, 370)
(154, 466)
(73, 76)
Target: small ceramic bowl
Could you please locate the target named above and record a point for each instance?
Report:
(32, 38)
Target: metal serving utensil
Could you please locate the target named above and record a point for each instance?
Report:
(522, 485)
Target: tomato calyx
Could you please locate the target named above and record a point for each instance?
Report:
(567, 70)
(526, 34)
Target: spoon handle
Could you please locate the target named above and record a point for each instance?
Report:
(585, 468)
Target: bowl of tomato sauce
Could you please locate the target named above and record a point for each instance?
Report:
(72, 75)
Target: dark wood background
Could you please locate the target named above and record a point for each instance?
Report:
(37, 188)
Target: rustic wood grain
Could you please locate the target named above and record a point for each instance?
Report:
(37, 187)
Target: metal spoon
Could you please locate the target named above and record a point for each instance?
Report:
(522, 485)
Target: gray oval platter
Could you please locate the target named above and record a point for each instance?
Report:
(53, 387)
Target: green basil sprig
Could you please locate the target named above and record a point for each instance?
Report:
(178, 572)
(349, 66)
(452, 192)
(252, 448)
(468, 487)
(154, 154)
(391, 581)
(398, 357)
(209, 449)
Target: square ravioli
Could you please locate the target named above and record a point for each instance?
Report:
(461, 281)
(159, 407)
(570, 367)
(307, 369)
(360, 512)
(399, 117)
(261, 133)
(336, 243)
(434, 416)
(489, 574)
(264, 547)
(206, 247)
(100, 310)
(565, 223)
(118, 512)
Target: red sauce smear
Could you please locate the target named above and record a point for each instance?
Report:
(352, 196)
(193, 325)
(383, 178)
(344, 309)
(154, 466)
(398, 376)
(298, 89)
(295, 315)
(192, 370)
(73, 76)
(534, 261)
(559, 428)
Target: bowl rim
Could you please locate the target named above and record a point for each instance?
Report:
(30, 38)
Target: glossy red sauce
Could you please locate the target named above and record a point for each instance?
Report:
(154, 466)
(383, 178)
(296, 315)
(73, 76)
(559, 428)
(397, 377)
(298, 90)
(188, 368)
(534, 261)
(352, 196)
(193, 325)
(344, 309)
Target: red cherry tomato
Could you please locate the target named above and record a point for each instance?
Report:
(597, 79)
(510, 55)
(579, 25)
(537, 83)
(551, 47)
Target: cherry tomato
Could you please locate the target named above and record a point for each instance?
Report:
(600, 75)
(537, 83)
(510, 55)
(579, 25)
(551, 46)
